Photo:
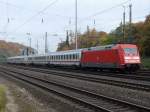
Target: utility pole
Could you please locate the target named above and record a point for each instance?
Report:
(37, 46)
(46, 48)
(67, 38)
(130, 23)
(88, 31)
(76, 21)
(29, 48)
(30, 41)
(124, 19)
(94, 23)
(29, 38)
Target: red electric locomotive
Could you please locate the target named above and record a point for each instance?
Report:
(119, 56)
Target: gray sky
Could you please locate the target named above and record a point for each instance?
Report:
(26, 16)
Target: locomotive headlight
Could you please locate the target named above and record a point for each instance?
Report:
(134, 58)
(137, 58)
(127, 57)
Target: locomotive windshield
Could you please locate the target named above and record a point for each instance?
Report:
(130, 50)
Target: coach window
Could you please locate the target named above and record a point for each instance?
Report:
(78, 55)
(74, 56)
(70, 57)
(65, 57)
(52, 58)
(60, 57)
(56, 57)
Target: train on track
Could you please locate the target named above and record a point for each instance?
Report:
(116, 56)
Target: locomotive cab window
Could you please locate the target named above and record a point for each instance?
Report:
(130, 50)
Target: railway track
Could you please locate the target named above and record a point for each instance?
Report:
(144, 72)
(90, 100)
(143, 75)
(132, 84)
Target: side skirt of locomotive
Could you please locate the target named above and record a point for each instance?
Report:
(112, 66)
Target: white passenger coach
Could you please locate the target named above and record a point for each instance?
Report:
(71, 57)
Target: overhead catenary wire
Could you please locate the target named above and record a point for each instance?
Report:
(32, 17)
(17, 6)
(101, 12)
(105, 10)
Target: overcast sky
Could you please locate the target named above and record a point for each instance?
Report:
(19, 17)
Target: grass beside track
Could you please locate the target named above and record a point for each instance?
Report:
(146, 62)
(2, 98)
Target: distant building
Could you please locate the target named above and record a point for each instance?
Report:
(28, 51)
